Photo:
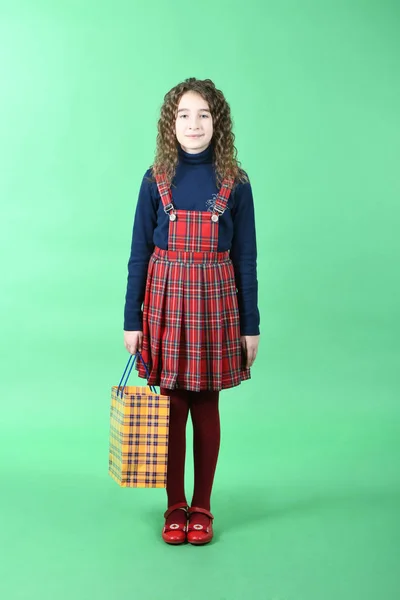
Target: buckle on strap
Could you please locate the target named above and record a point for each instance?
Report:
(168, 207)
(219, 210)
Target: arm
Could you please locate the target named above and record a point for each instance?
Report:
(244, 259)
(142, 246)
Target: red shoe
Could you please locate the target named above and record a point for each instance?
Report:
(174, 533)
(197, 535)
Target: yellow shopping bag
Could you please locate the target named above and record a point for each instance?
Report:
(139, 427)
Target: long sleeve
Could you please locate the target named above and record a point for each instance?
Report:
(244, 259)
(142, 247)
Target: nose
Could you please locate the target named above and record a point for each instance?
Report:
(194, 123)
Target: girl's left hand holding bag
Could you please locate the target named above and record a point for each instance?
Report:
(133, 341)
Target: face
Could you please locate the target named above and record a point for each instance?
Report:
(193, 125)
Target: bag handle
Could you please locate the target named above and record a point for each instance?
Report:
(152, 387)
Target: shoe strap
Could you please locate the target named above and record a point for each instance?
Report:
(194, 509)
(181, 527)
(175, 507)
(195, 527)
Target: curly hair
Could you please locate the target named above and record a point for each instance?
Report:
(224, 151)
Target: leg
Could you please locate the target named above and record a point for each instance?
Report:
(206, 442)
(206, 437)
(179, 410)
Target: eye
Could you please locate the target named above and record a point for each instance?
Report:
(206, 115)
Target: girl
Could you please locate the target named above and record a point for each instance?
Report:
(193, 267)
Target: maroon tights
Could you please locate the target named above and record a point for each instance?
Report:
(204, 412)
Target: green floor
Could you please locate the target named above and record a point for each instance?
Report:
(306, 503)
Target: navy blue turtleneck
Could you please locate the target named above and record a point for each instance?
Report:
(194, 188)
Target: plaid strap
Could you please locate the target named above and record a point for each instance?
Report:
(165, 192)
(223, 196)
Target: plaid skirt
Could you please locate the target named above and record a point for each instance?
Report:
(191, 328)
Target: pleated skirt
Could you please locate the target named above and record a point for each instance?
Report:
(191, 328)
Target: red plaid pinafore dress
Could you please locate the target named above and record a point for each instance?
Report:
(191, 329)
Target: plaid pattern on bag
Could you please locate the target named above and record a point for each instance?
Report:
(138, 446)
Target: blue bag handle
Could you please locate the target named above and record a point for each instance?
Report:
(152, 387)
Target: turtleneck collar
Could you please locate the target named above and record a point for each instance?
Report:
(206, 156)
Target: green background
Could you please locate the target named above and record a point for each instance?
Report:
(307, 489)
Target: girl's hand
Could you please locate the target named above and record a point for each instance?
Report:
(250, 346)
(133, 341)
